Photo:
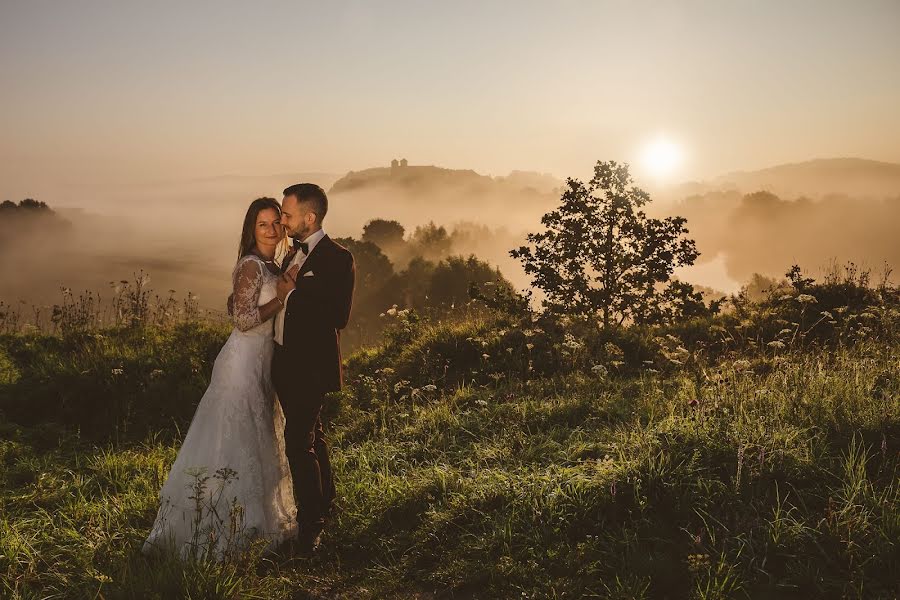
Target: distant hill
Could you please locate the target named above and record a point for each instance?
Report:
(418, 194)
(430, 177)
(820, 177)
(419, 178)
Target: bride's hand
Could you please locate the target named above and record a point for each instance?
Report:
(286, 283)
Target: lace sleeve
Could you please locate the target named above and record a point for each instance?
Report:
(248, 280)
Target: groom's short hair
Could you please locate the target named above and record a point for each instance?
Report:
(310, 192)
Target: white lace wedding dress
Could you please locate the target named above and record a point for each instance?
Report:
(230, 483)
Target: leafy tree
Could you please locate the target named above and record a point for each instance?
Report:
(387, 235)
(601, 255)
(453, 277)
(413, 284)
(431, 242)
(372, 293)
(373, 268)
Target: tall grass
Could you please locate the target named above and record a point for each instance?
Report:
(679, 462)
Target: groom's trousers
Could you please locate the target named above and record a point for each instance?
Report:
(304, 439)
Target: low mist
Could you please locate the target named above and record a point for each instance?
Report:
(185, 234)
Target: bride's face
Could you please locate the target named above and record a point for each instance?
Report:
(268, 228)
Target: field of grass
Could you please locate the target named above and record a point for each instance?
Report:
(487, 458)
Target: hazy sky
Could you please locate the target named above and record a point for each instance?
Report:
(120, 91)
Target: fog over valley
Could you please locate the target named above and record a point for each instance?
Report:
(185, 233)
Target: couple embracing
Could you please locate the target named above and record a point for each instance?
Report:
(254, 463)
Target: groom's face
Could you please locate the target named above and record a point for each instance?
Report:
(297, 218)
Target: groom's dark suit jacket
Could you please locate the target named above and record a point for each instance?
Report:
(316, 311)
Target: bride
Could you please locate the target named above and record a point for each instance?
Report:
(230, 483)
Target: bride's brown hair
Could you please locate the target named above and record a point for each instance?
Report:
(248, 233)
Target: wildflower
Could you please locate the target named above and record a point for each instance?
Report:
(827, 314)
(392, 311)
(784, 331)
(381, 315)
(786, 297)
(570, 342)
(697, 562)
(481, 402)
(156, 373)
(529, 346)
(617, 363)
(600, 370)
(429, 388)
(485, 356)
(509, 350)
(118, 371)
(778, 345)
(806, 299)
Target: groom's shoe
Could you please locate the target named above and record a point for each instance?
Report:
(310, 537)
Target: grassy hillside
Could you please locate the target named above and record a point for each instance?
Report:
(754, 454)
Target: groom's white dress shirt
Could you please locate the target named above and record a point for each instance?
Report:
(299, 259)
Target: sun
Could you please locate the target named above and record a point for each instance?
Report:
(661, 157)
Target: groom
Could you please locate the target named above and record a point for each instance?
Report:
(316, 290)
